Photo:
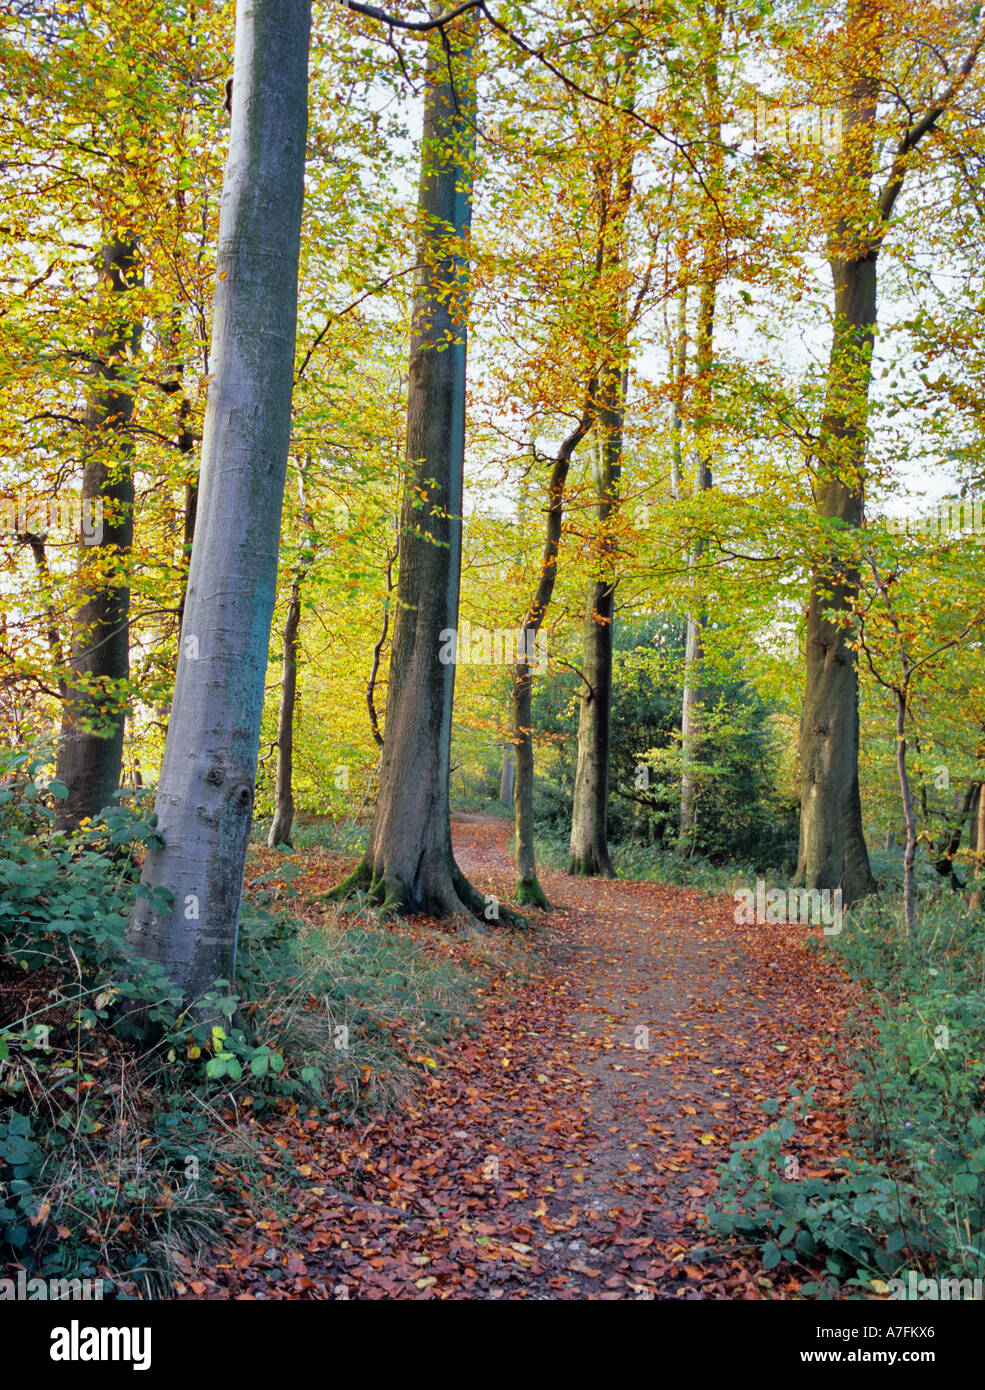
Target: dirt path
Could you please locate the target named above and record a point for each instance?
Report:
(569, 1150)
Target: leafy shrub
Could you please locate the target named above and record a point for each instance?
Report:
(914, 1195)
(114, 1161)
(851, 1227)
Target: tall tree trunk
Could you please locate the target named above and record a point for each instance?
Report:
(589, 845)
(692, 703)
(528, 889)
(90, 751)
(977, 896)
(832, 844)
(693, 693)
(186, 443)
(283, 818)
(909, 814)
(204, 803)
(409, 865)
(280, 829)
(374, 670)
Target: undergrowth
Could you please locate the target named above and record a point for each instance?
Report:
(910, 1203)
(122, 1159)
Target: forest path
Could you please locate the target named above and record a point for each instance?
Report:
(568, 1151)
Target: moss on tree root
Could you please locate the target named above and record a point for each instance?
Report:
(359, 881)
(392, 898)
(476, 902)
(530, 894)
(589, 866)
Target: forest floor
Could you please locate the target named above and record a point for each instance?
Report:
(569, 1149)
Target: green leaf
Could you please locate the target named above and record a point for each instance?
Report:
(772, 1255)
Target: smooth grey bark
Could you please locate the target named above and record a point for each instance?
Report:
(204, 803)
(409, 865)
(833, 852)
(508, 776)
(693, 694)
(90, 749)
(694, 685)
(528, 889)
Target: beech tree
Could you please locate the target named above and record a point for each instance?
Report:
(409, 865)
(90, 750)
(528, 889)
(694, 682)
(188, 916)
(589, 849)
(832, 844)
(283, 818)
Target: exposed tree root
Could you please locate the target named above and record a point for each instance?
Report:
(529, 893)
(455, 897)
(591, 866)
(359, 881)
(477, 902)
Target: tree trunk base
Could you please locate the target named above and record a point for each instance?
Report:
(591, 865)
(358, 881)
(856, 882)
(451, 895)
(530, 894)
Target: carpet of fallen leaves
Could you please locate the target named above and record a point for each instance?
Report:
(569, 1149)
